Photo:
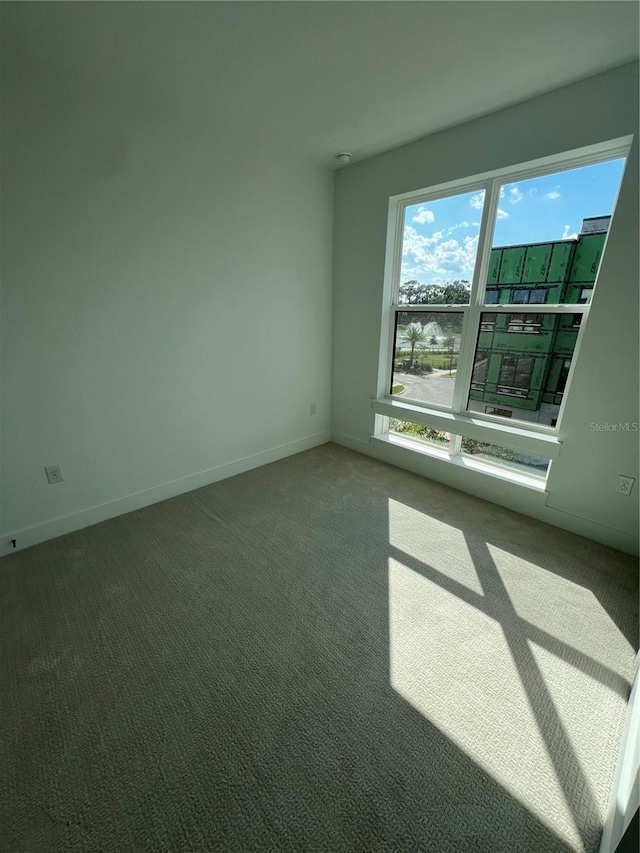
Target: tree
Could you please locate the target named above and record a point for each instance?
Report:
(450, 344)
(449, 293)
(414, 335)
(457, 292)
(433, 341)
(412, 292)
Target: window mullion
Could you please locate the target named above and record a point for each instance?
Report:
(487, 222)
(455, 446)
(472, 313)
(465, 357)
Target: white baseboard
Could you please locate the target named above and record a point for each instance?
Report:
(36, 533)
(478, 484)
(351, 442)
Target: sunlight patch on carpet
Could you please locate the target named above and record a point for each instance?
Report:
(452, 663)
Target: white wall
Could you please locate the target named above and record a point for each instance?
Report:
(581, 484)
(166, 304)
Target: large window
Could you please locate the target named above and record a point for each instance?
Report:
(490, 282)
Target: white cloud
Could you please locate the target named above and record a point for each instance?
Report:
(476, 201)
(449, 245)
(554, 194)
(501, 193)
(463, 224)
(502, 214)
(567, 235)
(416, 244)
(424, 256)
(515, 195)
(424, 215)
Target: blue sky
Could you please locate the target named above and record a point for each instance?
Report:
(441, 237)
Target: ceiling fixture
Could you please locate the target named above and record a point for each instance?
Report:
(343, 158)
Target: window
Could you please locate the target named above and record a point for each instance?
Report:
(534, 295)
(515, 375)
(528, 323)
(436, 437)
(487, 322)
(522, 462)
(460, 259)
(536, 466)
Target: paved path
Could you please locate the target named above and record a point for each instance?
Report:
(436, 387)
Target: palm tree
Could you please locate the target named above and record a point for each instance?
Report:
(450, 343)
(414, 335)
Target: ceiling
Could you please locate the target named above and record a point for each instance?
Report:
(323, 77)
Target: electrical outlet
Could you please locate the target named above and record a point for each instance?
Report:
(313, 408)
(54, 474)
(625, 484)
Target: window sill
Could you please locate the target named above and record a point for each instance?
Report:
(506, 435)
(535, 484)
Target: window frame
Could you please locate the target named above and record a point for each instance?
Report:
(523, 435)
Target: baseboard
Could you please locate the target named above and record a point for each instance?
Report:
(28, 536)
(351, 442)
(527, 504)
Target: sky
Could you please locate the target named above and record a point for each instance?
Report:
(441, 237)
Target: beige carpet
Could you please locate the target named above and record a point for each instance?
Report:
(324, 654)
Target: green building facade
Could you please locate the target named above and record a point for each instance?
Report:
(523, 359)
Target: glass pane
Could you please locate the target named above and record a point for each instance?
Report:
(521, 365)
(439, 247)
(425, 356)
(504, 457)
(420, 433)
(480, 365)
(549, 235)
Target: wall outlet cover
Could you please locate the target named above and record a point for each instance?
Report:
(54, 474)
(625, 484)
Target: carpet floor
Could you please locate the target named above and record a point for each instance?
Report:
(323, 654)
